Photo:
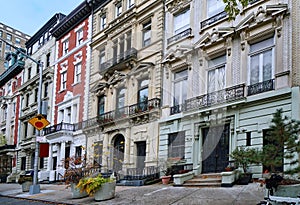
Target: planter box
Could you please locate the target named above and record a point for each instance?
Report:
(107, 191)
(26, 186)
(76, 193)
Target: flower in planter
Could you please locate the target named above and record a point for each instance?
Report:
(24, 179)
(92, 184)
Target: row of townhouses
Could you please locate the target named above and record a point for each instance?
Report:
(130, 83)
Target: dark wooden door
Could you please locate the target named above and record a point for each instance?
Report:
(141, 156)
(215, 145)
(118, 153)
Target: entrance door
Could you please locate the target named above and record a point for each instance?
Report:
(141, 156)
(215, 145)
(118, 153)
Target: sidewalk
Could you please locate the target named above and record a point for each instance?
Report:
(156, 194)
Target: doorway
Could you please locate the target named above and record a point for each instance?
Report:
(215, 146)
(141, 156)
(118, 152)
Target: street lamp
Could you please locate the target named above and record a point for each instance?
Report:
(35, 188)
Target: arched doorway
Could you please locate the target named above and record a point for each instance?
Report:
(118, 152)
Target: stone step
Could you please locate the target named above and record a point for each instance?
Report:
(201, 185)
(209, 175)
(202, 180)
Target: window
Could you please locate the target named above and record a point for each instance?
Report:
(182, 21)
(38, 68)
(102, 59)
(128, 40)
(25, 129)
(23, 163)
(68, 118)
(78, 152)
(42, 162)
(261, 61)
(36, 92)
(79, 36)
(101, 105)
(7, 47)
(63, 83)
(130, 3)
(143, 95)
(29, 73)
(216, 74)
(121, 45)
(46, 85)
(102, 22)
(121, 98)
(98, 152)
(176, 144)
(1, 33)
(248, 138)
(147, 33)
(180, 87)
(115, 52)
(214, 7)
(65, 47)
(8, 37)
(77, 73)
(18, 41)
(27, 100)
(118, 9)
(48, 60)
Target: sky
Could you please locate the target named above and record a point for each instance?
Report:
(28, 16)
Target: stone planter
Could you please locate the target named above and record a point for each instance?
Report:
(292, 190)
(107, 191)
(26, 186)
(76, 193)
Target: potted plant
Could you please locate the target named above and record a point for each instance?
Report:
(99, 187)
(243, 157)
(74, 172)
(26, 182)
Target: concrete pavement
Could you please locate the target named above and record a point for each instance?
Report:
(156, 194)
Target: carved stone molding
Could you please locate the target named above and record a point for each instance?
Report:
(176, 5)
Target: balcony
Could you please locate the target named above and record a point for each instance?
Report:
(59, 127)
(222, 96)
(119, 61)
(213, 19)
(123, 113)
(261, 87)
(180, 35)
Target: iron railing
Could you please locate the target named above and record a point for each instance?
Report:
(59, 127)
(229, 94)
(148, 173)
(213, 19)
(144, 106)
(175, 109)
(131, 53)
(180, 35)
(261, 87)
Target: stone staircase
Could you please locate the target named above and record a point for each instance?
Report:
(204, 180)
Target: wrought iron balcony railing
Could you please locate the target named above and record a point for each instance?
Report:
(175, 109)
(261, 87)
(227, 95)
(213, 19)
(131, 53)
(59, 127)
(180, 35)
(144, 106)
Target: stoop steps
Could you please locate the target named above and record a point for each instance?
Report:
(205, 180)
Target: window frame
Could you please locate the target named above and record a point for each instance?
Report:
(176, 144)
(103, 22)
(219, 63)
(216, 11)
(146, 31)
(118, 9)
(77, 72)
(65, 46)
(79, 37)
(181, 80)
(182, 15)
(260, 51)
(63, 80)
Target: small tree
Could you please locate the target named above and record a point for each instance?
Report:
(243, 157)
(282, 144)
